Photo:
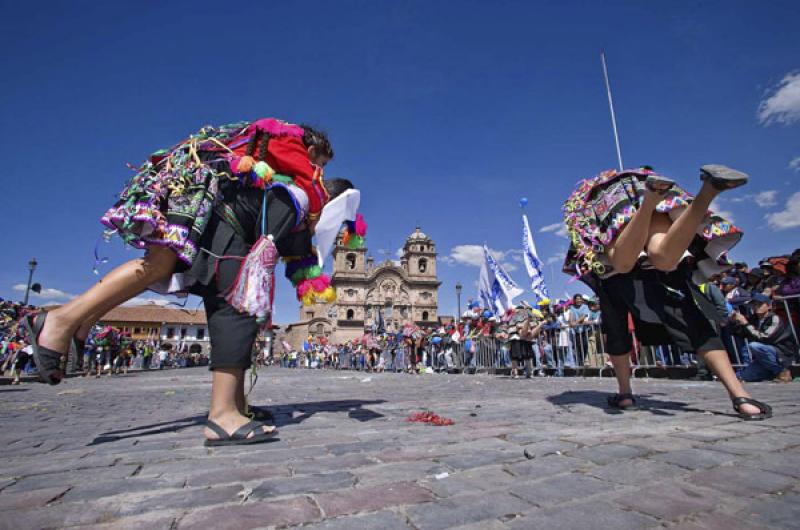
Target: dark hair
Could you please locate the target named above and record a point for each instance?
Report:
(336, 187)
(318, 139)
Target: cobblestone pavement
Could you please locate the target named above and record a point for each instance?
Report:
(544, 453)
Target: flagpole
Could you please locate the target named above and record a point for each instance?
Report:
(611, 108)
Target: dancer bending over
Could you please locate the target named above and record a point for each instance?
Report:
(197, 209)
(638, 240)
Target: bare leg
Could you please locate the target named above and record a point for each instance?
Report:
(669, 240)
(625, 249)
(223, 410)
(514, 370)
(718, 361)
(240, 398)
(622, 371)
(118, 286)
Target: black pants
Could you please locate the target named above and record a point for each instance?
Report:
(232, 333)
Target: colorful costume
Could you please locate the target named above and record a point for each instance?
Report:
(228, 201)
(667, 307)
(600, 207)
(169, 200)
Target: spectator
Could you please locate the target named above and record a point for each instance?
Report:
(772, 345)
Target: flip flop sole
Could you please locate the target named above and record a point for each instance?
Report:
(243, 441)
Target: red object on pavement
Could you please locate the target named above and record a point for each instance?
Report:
(429, 417)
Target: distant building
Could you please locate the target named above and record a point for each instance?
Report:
(173, 327)
(400, 293)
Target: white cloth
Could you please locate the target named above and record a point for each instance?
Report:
(532, 262)
(342, 208)
(495, 286)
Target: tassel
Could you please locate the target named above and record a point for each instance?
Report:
(264, 172)
(253, 291)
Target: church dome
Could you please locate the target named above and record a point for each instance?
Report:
(417, 236)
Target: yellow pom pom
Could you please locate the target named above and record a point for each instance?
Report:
(308, 298)
(246, 164)
(329, 295)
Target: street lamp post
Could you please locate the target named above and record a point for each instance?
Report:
(31, 267)
(458, 295)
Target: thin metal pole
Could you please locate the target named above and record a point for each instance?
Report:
(611, 108)
(28, 288)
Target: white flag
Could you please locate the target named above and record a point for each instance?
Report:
(532, 262)
(495, 286)
(342, 208)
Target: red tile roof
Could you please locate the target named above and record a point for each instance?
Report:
(155, 313)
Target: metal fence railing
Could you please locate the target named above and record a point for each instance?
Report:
(569, 350)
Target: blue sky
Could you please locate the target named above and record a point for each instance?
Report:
(443, 113)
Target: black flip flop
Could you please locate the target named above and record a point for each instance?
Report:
(766, 410)
(240, 436)
(47, 361)
(658, 183)
(723, 177)
(615, 400)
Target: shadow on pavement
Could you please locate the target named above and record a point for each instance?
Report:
(597, 399)
(284, 415)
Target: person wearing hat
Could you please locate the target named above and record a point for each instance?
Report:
(772, 345)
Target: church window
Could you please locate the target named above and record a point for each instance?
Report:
(320, 329)
(350, 314)
(423, 265)
(351, 261)
(425, 315)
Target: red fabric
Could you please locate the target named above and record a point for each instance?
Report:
(289, 156)
(429, 417)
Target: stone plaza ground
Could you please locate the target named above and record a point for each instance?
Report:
(127, 452)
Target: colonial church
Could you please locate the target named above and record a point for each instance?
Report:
(366, 292)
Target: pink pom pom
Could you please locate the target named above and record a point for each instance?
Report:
(235, 164)
(361, 226)
(303, 287)
(319, 284)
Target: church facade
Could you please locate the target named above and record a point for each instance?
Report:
(367, 292)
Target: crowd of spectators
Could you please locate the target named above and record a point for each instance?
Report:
(758, 310)
(107, 350)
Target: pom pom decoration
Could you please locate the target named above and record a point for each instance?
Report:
(263, 172)
(360, 226)
(354, 233)
(311, 284)
(245, 164)
(523, 202)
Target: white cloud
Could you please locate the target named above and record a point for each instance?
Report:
(558, 258)
(399, 252)
(559, 229)
(764, 199)
(142, 300)
(50, 294)
(717, 208)
(789, 217)
(472, 255)
(795, 164)
(783, 106)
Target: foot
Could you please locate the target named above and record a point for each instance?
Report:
(750, 409)
(746, 408)
(784, 377)
(56, 333)
(722, 177)
(230, 423)
(658, 184)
